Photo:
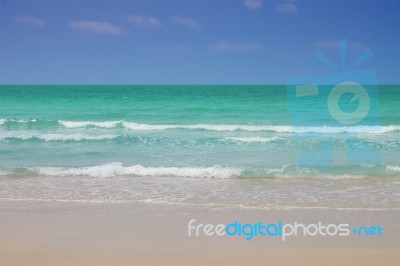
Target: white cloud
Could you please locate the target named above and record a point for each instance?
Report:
(287, 8)
(253, 4)
(31, 21)
(144, 22)
(236, 48)
(187, 22)
(96, 27)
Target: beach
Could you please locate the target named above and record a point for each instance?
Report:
(246, 132)
(44, 233)
(133, 175)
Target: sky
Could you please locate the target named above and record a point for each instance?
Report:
(193, 41)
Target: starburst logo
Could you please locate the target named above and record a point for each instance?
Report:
(344, 104)
(358, 92)
(343, 47)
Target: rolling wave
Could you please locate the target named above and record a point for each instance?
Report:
(78, 124)
(252, 139)
(323, 129)
(125, 138)
(53, 136)
(393, 168)
(116, 169)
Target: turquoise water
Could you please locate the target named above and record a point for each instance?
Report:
(204, 144)
(210, 131)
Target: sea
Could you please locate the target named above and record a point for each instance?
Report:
(220, 146)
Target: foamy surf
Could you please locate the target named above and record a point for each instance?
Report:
(134, 126)
(393, 168)
(54, 136)
(118, 169)
(78, 124)
(324, 129)
(252, 139)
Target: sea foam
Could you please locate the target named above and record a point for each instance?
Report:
(77, 124)
(252, 139)
(54, 136)
(118, 169)
(134, 126)
(324, 129)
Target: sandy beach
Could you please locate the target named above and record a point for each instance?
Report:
(199, 133)
(60, 233)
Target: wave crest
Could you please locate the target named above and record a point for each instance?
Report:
(323, 129)
(252, 139)
(117, 169)
(54, 136)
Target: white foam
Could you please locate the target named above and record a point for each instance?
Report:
(252, 139)
(74, 137)
(221, 127)
(354, 129)
(54, 136)
(236, 127)
(77, 124)
(393, 168)
(147, 127)
(210, 127)
(21, 120)
(157, 127)
(117, 169)
(391, 128)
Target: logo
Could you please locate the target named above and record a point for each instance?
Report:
(280, 230)
(343, 104)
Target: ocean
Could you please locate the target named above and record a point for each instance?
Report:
(211, 145)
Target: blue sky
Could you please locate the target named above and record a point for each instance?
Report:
(192, 41)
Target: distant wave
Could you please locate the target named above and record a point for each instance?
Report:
(53, 136)
(157, 127)
(24, 120)
(125, 138)
(77, 124)
(324, 129)
(226, 127)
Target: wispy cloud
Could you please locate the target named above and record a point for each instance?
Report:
(30, 21)
(144, 22)
(96, 27)
(253, 4)
(236, 48)
(289, 7)
(187, 22)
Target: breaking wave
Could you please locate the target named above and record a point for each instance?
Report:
(324, 129)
